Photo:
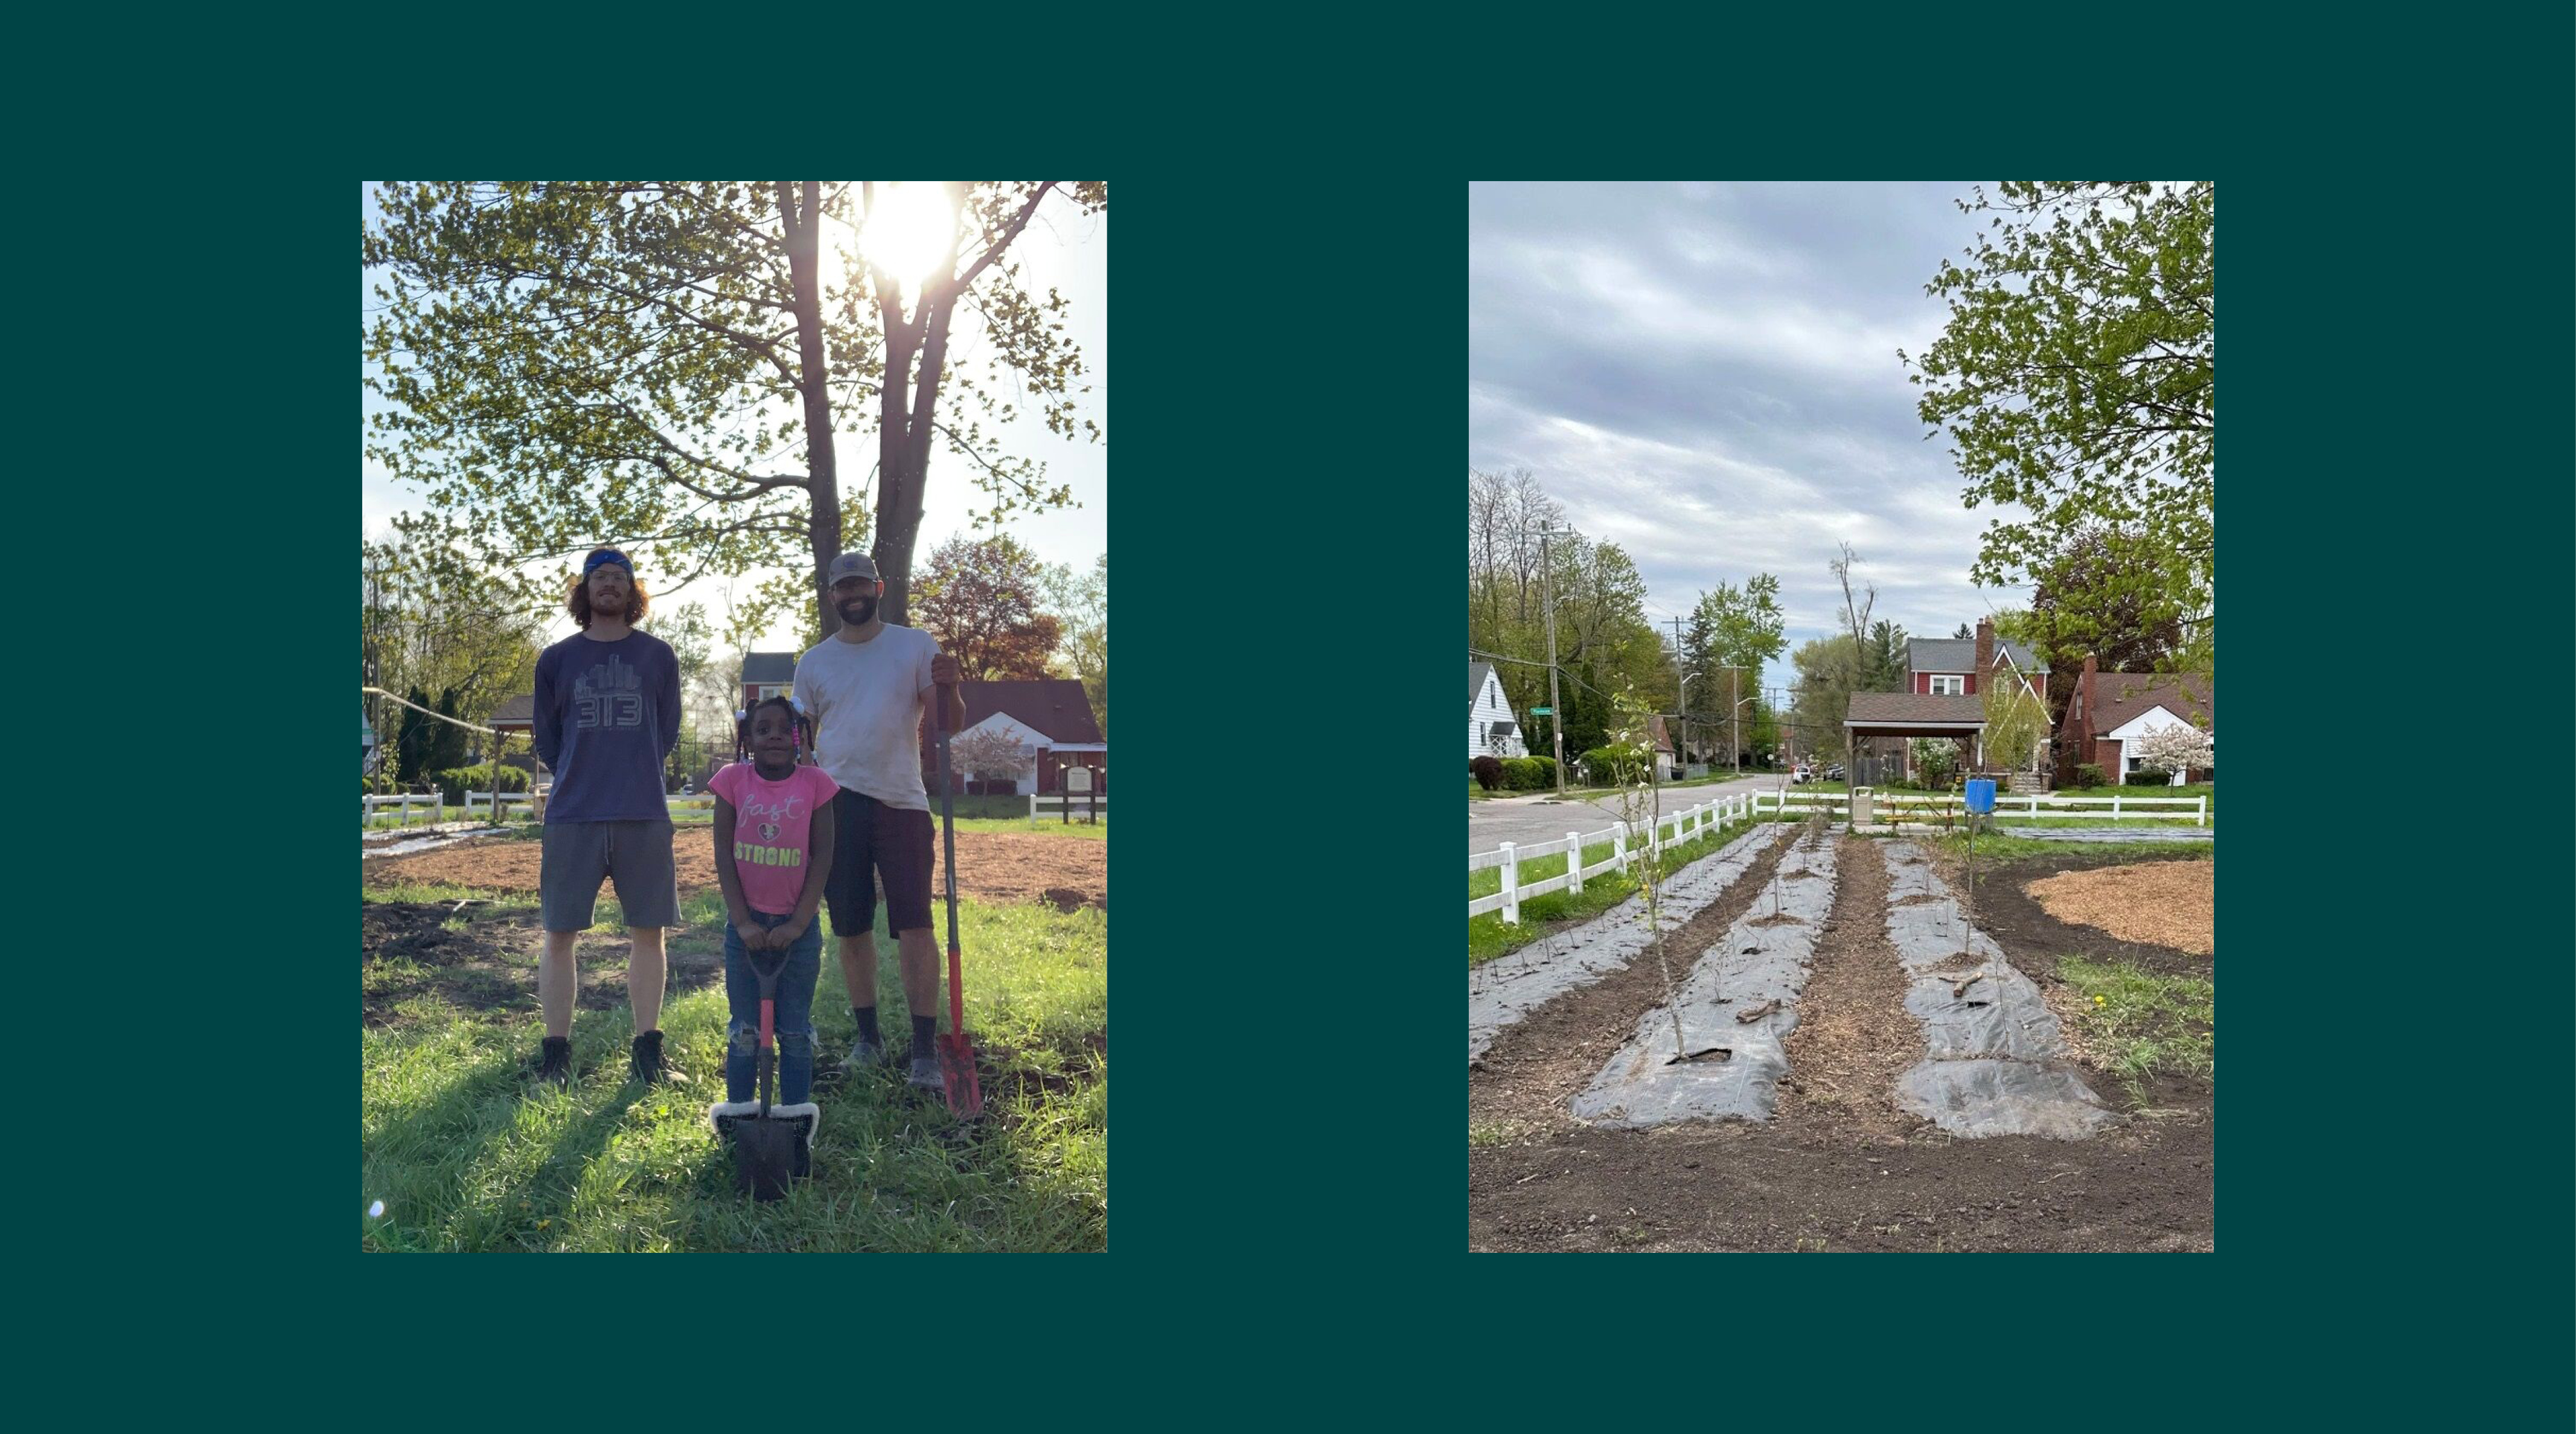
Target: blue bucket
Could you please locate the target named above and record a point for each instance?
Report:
(1981, 796)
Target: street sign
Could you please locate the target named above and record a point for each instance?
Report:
(1542, 712)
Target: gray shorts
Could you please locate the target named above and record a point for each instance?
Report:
(636, 856)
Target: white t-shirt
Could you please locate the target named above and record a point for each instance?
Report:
(867, 700)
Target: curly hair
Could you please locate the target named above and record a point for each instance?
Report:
(578, 603)
(804, 725)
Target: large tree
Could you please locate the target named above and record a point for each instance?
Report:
(980, 599)
(432, 619)
(2076, 380)
(1733, 628)
(1081, 603)
(1603, 642)
(663, 365)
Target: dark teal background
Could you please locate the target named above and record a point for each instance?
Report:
(2394, 1193)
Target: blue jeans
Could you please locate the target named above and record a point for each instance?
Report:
(792, 1023)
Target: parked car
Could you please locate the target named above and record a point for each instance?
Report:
(1834, 773)
(1800, 773)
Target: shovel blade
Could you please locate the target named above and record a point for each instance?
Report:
(957, 1068)
(764, 1155)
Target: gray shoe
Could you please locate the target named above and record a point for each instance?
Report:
(925, 1074)
(865, 1055)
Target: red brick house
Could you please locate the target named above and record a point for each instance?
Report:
(1946, 682)
(1051, 719)
(2110, 711)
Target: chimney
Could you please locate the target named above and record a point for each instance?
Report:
(1985, 654)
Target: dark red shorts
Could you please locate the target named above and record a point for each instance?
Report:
(870, 837)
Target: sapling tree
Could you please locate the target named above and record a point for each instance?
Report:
(1640, 802)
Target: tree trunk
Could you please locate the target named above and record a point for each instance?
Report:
(803, 224)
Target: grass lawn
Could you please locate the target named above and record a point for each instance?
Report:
(1993, 846)
(1488, 936)
(465, 1157)
(2140, 1024)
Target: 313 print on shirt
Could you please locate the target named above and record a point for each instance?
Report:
(610, 694)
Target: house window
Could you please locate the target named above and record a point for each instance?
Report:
(1949, 685)
(2133, 764)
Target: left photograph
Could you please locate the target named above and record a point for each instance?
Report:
(734, 692)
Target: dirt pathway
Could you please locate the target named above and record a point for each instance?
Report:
(1853, 1037)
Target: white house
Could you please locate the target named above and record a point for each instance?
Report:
(1492, 729)
(2132, 732)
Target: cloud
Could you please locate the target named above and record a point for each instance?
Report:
(1707, 375)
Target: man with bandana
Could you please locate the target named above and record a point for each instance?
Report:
(867, 687)
(607, 716)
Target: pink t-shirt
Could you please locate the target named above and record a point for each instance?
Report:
(773, 824)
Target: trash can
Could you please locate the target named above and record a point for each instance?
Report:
(1859, 806)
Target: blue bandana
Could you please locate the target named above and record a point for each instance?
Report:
(607, 555)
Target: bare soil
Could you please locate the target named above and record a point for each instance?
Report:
(488, 962)
(1838, 1168)
(996, 868)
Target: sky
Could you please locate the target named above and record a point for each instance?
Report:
(1060, 249)
(1706, 375)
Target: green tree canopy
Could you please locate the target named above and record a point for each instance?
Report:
(2076, 380)
(662, 365)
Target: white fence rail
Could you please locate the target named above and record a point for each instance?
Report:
(1672, 827)
(506, 799)
(1075, 804)
(2116, 808)
(434, 803)
(1683, 825)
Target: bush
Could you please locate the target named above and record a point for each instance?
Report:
(455, 781)
(2088, 774)
(1617, 764)
(1936, 761)
(1528, 774)
(1488, 771)
(2147, 779)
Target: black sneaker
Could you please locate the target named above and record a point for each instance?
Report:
(556, 1063)
(648, 1066)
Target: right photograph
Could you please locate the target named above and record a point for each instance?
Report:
(1841, 797)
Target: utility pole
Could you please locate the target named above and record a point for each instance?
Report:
(1555, 708)
(1734, 740)
(1683, 715)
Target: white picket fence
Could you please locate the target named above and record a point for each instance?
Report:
(1927, 804)
(434, 803)
(1079, 804)
(1682, 825)
(1675, 827)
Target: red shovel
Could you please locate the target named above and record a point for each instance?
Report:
(956, 1052)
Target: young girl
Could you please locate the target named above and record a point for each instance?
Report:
(773, 852)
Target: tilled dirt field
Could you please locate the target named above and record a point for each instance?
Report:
(488, 962)
(1838, 1168)
(996, 868)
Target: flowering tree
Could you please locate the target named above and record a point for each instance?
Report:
(989, 755)
(2175, 749)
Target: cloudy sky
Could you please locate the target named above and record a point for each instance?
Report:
(1706, 375)
(1061, 250)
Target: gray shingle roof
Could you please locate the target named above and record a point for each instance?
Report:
(1958, 654)
(1477, 672)
(769, 667)
(1897, 709)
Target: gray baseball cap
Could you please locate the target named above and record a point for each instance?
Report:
(851, 565)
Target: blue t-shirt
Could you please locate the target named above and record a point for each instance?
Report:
(607, 715)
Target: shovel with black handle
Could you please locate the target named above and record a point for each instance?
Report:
(956, 1052)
